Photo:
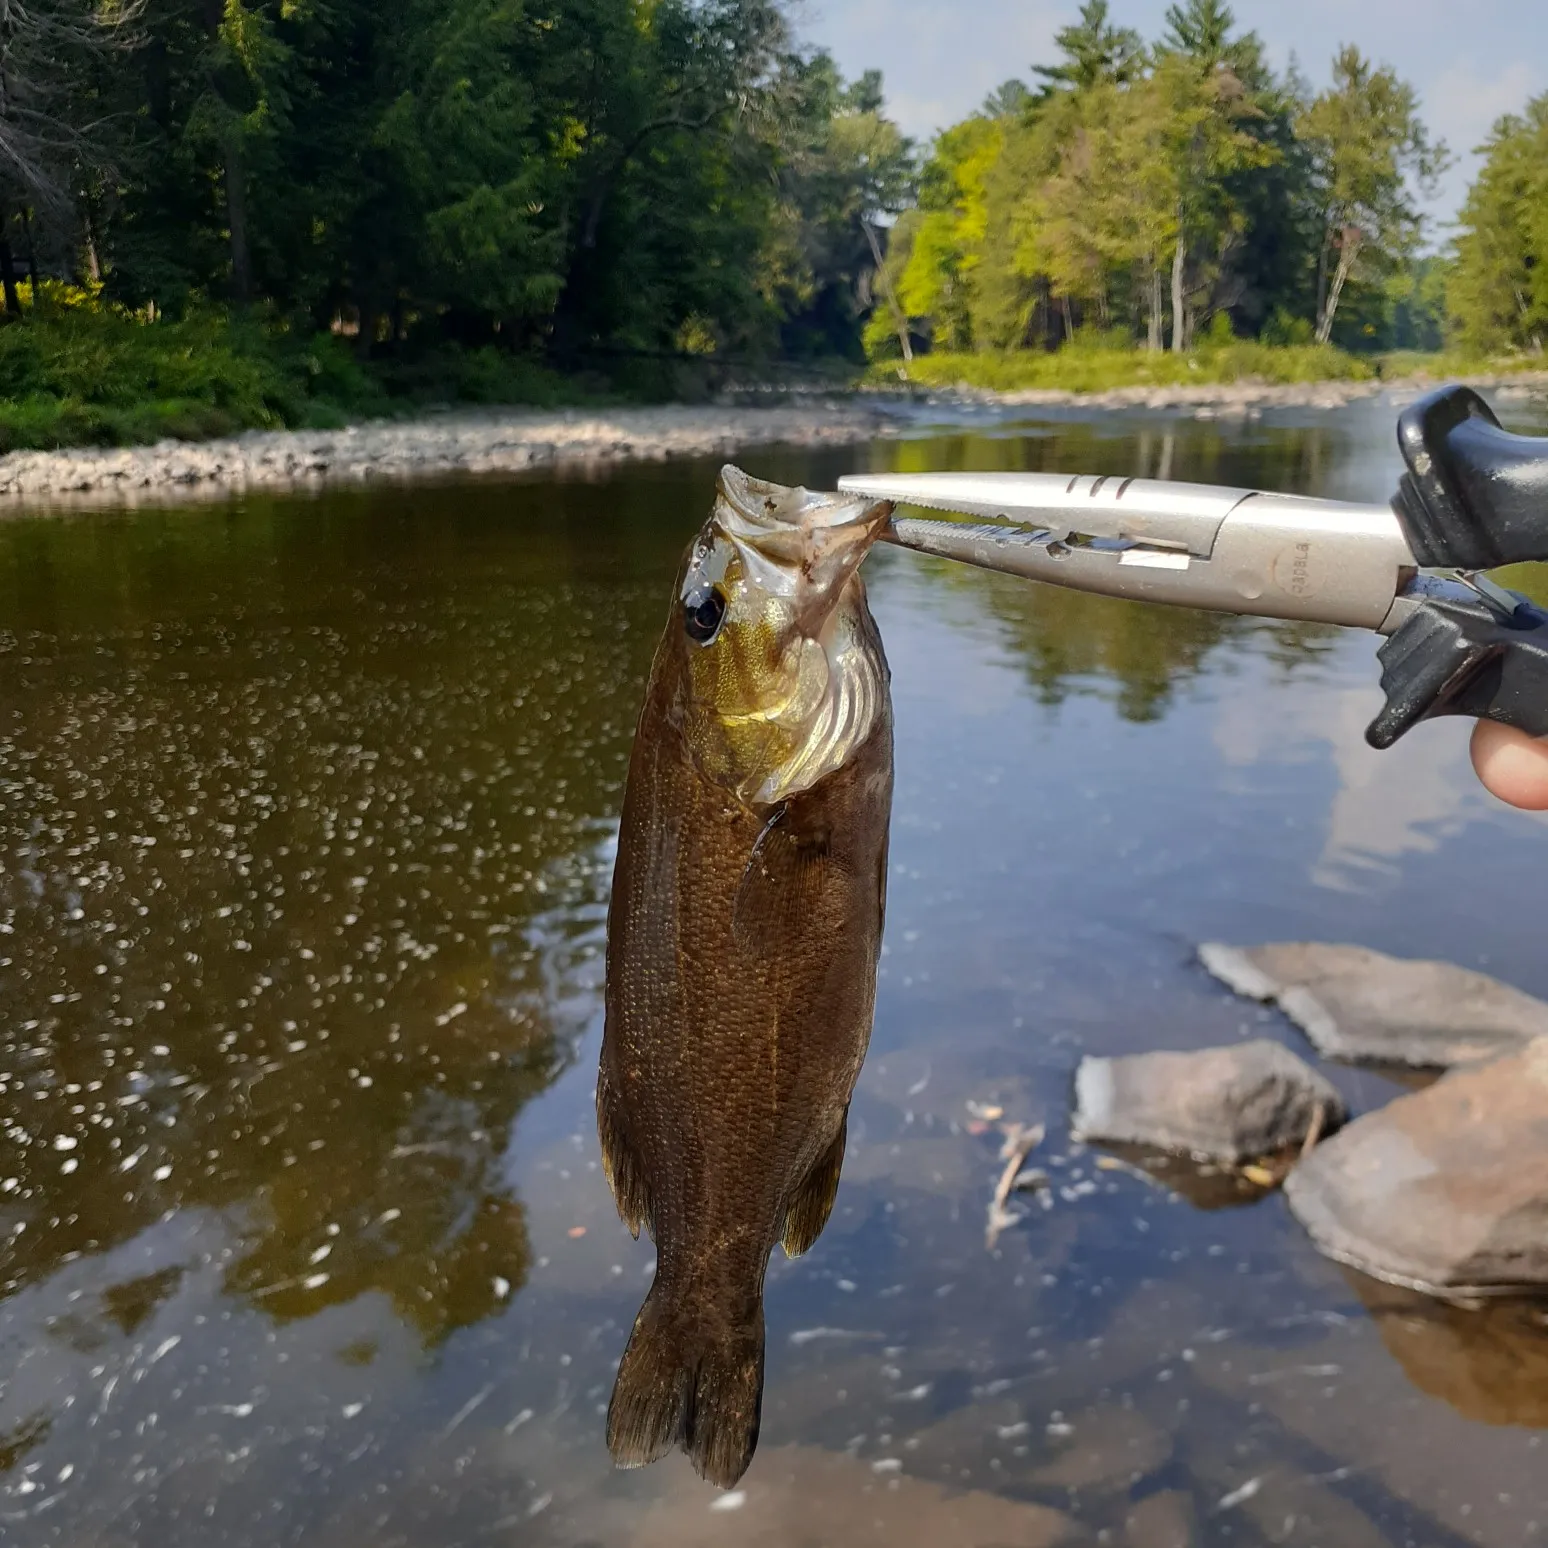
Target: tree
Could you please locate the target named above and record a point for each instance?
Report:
(466, 147)
(1203, 31)
(54, 130)
(947, 239)
(1272, 264)
(659, 90)
(1010, 99)
(1095, 52)
(1366, 139)
(242, 114)
(1066, 226)
(1497, 291)
(597, 179)
(1136, 195)
(842, 166)
(1205, 109)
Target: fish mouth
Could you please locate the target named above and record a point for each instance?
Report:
(815, 539)
(759, 508)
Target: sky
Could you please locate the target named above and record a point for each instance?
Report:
(941, 58)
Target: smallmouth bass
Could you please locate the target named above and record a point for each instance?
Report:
(743, 937)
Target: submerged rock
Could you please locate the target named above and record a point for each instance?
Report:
(1227, 1104)
(1444, 1191)
(1489, 1362)
(1361, 1006)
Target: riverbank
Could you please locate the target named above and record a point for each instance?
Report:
(439, 445)
(1117, 376)
(507, 441)
(1207, 399)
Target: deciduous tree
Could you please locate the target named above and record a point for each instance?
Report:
(1370, 150)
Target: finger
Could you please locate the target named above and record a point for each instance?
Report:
(1512, 765)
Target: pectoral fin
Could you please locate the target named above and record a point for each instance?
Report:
(783, 883)
(812, 1203)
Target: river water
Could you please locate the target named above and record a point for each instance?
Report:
(307, 810)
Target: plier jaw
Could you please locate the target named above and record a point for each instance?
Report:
(1190, 545)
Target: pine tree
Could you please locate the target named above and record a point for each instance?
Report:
(1095, 52)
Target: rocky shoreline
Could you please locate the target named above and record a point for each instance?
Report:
(1224, 400)
(523, 441)
(496, 441)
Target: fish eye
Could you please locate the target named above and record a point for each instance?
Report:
(704, 610)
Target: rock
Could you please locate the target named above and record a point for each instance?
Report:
(1229, 1104)
(1359, 1005)
(492, 441)
(1489, 1362)
(1111, 1446)
(1444, 1191)
(1167, 1520)
(802, 1495)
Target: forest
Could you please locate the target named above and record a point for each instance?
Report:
(216, 212)
(1164, 192)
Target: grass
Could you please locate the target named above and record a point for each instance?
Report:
(1450, 364)
(1088, 367)
(77, 377)
(73, 375)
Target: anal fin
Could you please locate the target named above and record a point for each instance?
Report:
(624, 1174)
(812, 1202)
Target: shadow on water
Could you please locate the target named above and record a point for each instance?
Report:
(306, 821)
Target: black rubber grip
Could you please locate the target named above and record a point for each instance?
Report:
(1461, 658)
(1475, 497)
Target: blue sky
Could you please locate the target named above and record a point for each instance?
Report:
(1469, 63)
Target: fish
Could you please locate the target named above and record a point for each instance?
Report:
(744, 934)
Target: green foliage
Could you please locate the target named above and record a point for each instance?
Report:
(1151, 189)
(944, 239)
(285, 211)
(102, 378)
(1098, 363)
(574, 184)
(1096, 53)
(1497, 291)
(842, 165)
(1286, 328)
(1366, 142)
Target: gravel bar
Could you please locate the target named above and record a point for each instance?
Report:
(507, 441)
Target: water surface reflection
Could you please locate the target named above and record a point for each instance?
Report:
(306, 814)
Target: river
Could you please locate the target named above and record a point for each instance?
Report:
(307, 812)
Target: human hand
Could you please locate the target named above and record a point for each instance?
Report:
(1512, 765)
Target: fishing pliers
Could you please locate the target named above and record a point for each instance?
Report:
(1474, 498)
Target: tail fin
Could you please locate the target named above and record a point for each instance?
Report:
(693, 1377)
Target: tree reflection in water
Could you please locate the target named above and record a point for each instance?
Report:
(301, 879)
(1138, 656)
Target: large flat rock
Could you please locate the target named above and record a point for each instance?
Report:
(1444, 1191)
(1359, 1005)
(1227, 1104)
